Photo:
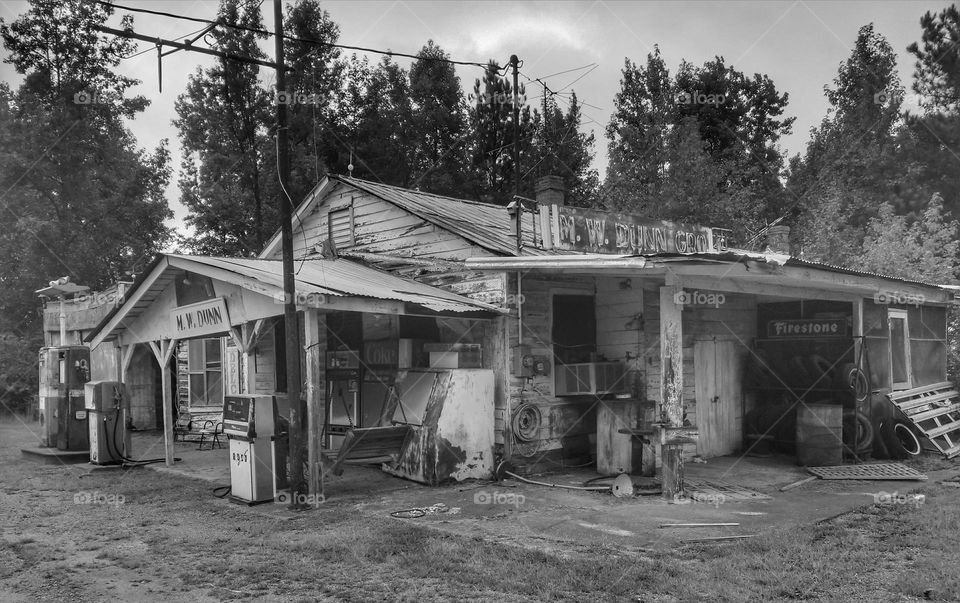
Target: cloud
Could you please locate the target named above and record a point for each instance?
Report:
(491, 38)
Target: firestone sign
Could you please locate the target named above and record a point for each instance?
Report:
(603, 232)
(826, 327)
(203, 318)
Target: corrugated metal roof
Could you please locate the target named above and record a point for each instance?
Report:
(339, 278)
(342, 278)
(484, 224)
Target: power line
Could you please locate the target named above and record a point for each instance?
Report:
(265, 32)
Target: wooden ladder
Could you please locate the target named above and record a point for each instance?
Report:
(935, 410)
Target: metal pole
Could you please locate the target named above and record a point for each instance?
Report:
(291, 324)
(515, 63)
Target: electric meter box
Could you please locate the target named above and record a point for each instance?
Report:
(106, 404)
(250, 422)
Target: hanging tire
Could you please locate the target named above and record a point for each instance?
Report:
(821, 369)
(879, 446)
(908, 440)
(891, 441)
(856, 380)
(865, 432)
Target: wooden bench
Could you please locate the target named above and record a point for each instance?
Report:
(364, 445)
(198, 426)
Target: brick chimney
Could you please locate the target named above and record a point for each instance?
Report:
(550, 190)
(778, 239)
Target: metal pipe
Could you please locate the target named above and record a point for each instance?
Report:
(63, 322)
(564, 486)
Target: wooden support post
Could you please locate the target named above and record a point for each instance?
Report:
(163, 352)
(314, 342)
(671, 385)
(126, 356)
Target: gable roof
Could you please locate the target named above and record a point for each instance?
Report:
(484, 224)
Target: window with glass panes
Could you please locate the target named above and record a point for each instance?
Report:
(205, 365)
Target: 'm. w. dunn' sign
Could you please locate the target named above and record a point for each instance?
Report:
(604, 232)
(203, 318)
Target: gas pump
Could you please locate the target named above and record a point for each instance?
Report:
(250, 422)
(107, 410)
(343, 395)
(63, 415)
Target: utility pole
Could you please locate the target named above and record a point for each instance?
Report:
(515, 63)
(298, 410)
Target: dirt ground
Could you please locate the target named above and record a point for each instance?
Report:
(75, 533)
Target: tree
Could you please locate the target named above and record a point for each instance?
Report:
(854, 162)
(700, 146)
(638, 135)
(315, 97)
(378, 125)
(439, 121)
(922, 249)
(935, 130)
(491, 145)
(561, 149)
(223, 119)
(80, 198)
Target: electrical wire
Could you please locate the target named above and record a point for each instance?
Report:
(265, 32)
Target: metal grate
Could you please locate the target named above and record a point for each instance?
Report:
(715, 490)
(878, 471)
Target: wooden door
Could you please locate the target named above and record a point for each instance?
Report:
(718, 370)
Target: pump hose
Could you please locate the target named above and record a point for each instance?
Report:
(127, 461)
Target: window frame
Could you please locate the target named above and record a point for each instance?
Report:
(900, 314)
(203, 371)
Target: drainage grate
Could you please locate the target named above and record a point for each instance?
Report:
(878, 471)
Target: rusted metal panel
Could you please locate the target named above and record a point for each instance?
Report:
(455, 440)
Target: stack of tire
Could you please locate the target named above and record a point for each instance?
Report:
(885, 438)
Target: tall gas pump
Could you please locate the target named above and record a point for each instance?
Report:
(250, 422)
(106, 403)
(63, 417)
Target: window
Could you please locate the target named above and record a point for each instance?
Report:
(574, 328)
(340, 227)
(205, 366)
(900, 367)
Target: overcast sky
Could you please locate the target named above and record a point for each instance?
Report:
(798, 44)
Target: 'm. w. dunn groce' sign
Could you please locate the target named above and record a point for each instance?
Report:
(605, 232)
(203, 318)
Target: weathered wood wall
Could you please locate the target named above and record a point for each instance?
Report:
(380, 227)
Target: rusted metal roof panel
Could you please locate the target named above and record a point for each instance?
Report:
(344, 278)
